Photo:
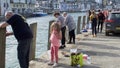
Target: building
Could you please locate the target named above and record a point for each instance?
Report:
(49, 5)
(67, 5)
(22, 6)
(17, 6)
(4, 6)
(77, 5)
(0, 7)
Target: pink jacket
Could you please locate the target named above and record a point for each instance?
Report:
(54, 39)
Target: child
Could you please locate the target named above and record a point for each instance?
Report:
(54, 40)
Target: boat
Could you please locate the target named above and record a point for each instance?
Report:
(39, 13)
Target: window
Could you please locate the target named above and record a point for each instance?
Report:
(116, 15)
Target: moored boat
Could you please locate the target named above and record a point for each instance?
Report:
(39, 13)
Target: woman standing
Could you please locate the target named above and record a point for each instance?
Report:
(93, 18)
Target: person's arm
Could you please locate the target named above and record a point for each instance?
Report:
(9, 33)
(91, 17)
(60, 35)
(3, 25)
(97, 17)
(59, 22)
(66, 20)
(103, 16)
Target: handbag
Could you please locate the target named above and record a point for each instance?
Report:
(76, 59)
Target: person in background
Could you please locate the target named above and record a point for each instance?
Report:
(55, 38)
(106, 13)
(69, 21)
(89, 13)
(93, 18)
(23, 34)
(101, 19)
(88, 21)
(63, 28)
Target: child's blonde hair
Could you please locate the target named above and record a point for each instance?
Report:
(55, 25)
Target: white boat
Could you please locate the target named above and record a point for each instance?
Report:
(39, 13)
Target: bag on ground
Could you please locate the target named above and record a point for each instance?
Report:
(77, 59)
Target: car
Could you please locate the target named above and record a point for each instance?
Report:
(112, 23)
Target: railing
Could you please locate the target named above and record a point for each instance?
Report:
(3, 44)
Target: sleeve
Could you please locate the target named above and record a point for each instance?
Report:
(103, 16)
(66, 20)
(58, 19)
(11, 20)
(60, 35)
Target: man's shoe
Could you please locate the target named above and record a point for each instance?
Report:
(73, 42)
(61, 47)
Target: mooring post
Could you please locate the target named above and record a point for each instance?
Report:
(33, 27)
(83, 25)
(50, 22)
(2, 47)
(79, 25)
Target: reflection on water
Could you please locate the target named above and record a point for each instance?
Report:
(42, 36)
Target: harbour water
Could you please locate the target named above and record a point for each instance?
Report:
(42, 38)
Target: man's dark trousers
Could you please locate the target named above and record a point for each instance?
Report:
(63, 29)
(23, 52)
(72, 36)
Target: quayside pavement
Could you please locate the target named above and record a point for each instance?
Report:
(103, 50)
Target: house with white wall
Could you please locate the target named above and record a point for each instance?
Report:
(22, 6)
(4, 6)
(17, 6)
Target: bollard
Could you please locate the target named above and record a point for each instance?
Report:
(87, 19)
(2, 47)
(83, 25)
(67, 34)
(33, 27)
(50, 22)
(78, 25)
